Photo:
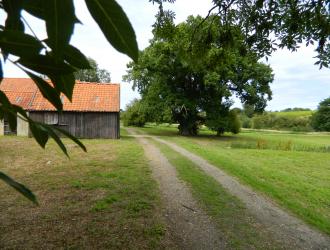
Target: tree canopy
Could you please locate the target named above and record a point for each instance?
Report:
(196, 79)
(270, 24)
(94, 74)
(321, 118)
(134, 115)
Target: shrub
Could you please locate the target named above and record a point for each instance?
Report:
(245, 121)
(226, 123)
(135, 114)
(234, 124)
(321, 118)
(280, 122)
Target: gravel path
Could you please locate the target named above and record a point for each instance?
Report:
(290, 230)
(189, 227)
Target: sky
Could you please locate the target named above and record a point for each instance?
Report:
(298, 82)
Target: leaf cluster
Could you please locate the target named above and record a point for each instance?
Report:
(271, 24)
(54, 57)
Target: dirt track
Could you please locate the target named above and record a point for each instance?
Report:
(189, 227)
(286, 228)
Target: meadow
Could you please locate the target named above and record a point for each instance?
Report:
(305, 113)
(293, 169)
(107, 198)
(103, 199)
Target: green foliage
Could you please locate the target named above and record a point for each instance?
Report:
(321, 118)
(246, 121)
(305, 113)
(295, 109)
(234, 123)
(94, 74)
(115, 25)
(228, 122)
(54, 57)
(272, 120)
(135, 114)
(269, 25)
(248, 110)
(195, 79)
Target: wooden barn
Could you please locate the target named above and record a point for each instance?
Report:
(93, 112)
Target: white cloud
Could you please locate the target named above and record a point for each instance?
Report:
(298, 82)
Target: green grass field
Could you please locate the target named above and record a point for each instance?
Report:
(294, 113)
(108, 199)
(297, 176)
(103, 199)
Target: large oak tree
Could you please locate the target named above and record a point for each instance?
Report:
(197, 78)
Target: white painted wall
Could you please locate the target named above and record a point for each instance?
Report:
(22, 127)
(1, 128)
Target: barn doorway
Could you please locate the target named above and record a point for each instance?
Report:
(6, 128)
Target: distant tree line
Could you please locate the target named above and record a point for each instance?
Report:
(295, 109)
(318, 120)
(139, 112)
(273, 121)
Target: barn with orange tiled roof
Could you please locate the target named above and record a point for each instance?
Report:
(93, 112)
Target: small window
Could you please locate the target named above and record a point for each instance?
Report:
(7, 129)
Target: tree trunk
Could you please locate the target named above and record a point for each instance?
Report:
(188, 122)
(185, 131)
(188, 129)
(220, 131)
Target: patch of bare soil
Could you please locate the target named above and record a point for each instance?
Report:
(293, 232)
(188, 225)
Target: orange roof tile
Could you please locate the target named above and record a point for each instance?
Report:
(88, 97)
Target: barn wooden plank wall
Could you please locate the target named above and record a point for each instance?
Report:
(83, 124)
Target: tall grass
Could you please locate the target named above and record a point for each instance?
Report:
(286, 145)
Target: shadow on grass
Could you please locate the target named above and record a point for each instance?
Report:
(170, 131)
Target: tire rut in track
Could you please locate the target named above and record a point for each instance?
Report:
(188, 226)
(286, 228)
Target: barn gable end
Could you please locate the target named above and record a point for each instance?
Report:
(93, 112)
